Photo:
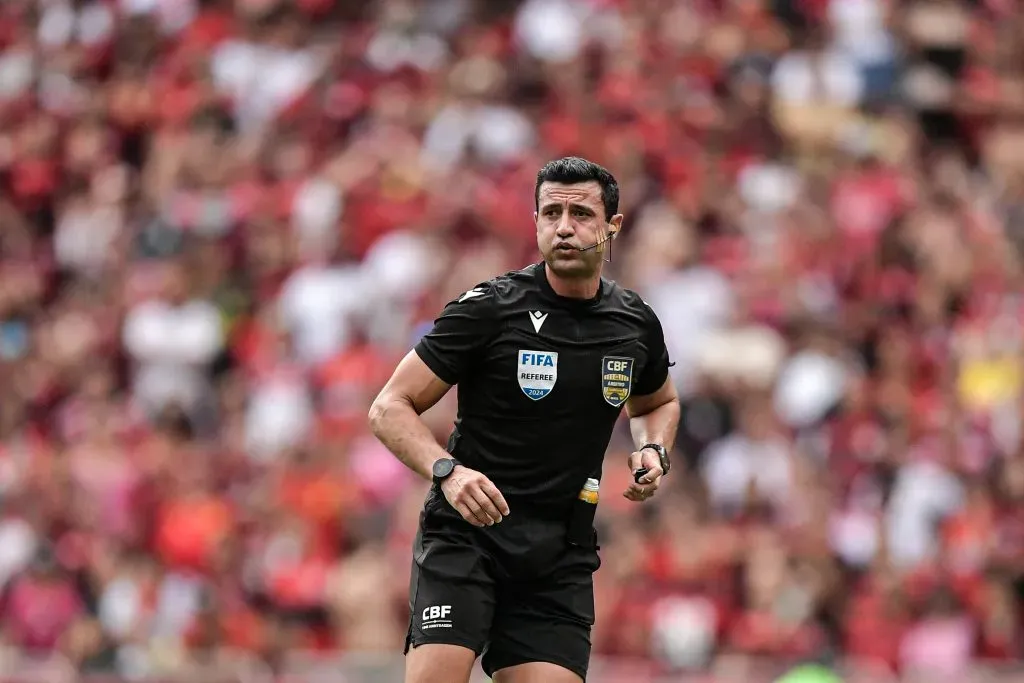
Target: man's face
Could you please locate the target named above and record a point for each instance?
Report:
(571, 217)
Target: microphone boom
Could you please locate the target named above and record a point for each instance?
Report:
(595, 245)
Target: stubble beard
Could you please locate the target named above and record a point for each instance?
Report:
(583, 267)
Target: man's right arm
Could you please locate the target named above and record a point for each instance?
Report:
(395, 414)
(441, 359)
(395, 420)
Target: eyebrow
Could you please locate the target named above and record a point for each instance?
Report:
(572, 205)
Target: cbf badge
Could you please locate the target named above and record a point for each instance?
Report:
(616, 379)
(537, 373)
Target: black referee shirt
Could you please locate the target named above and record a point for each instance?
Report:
(542, 379)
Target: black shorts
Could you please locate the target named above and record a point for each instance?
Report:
(515, 592)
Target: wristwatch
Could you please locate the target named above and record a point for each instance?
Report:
(442, 469)
(666, 464)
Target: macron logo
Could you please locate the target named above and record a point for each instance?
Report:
(472, 294)
(537, 318)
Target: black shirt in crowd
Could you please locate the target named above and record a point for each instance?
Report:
(542, 379)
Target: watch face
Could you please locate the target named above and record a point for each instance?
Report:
(443, 467)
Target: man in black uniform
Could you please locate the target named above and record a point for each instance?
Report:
(545, 359)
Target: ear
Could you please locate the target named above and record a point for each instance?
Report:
(615, 224)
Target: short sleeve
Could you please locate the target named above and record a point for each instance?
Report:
(465, 326)
(655, 371)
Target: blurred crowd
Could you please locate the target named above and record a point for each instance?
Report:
(223, 221)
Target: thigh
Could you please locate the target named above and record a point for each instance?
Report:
(451, 592)
(536, 672)
(546, 621)
(434, 662)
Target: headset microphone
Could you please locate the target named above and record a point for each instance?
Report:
(595, 245)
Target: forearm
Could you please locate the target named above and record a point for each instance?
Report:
(397, 425)
(657, 426)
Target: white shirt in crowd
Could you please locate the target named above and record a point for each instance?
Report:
(497, 133)
(172, 347)
(923, 494)
(860, 31)
(692, 304)
(769, 187)
(171, 16)
(18, 544)
(262, 80)
(279, 414)
(551, 30)
(317, 306)
(809, 385)
(802, 78)
(84, 237)
(735, 462)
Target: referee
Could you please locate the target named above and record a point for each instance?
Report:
(545, 359)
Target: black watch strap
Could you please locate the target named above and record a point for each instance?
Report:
(666, 464)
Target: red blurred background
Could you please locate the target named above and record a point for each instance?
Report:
(222, 222)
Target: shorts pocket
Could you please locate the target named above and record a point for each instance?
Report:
(433, 502)
(587, 555)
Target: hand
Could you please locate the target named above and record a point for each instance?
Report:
(649, 483)
(475, 497)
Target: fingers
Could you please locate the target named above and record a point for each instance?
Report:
(633, 494)
(479, 515)
(646, 486)
(486, 507)
(467, 514)
(641, 492)
(646, 460)
(495, 496)
(476, 498)
(635, 461)
(652, 475)
(652, 463)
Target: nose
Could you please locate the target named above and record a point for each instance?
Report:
(564, 228)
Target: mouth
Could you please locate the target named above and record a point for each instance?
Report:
(565, 247)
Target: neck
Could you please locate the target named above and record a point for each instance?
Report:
(573, 288)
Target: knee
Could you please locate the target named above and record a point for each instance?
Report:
(536, 672)
(439, 663)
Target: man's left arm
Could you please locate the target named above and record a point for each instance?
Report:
(653, 419)
(653, 414)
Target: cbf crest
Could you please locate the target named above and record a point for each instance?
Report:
(616, 379)
(537, 373)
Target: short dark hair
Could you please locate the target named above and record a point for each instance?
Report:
(574, 170)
